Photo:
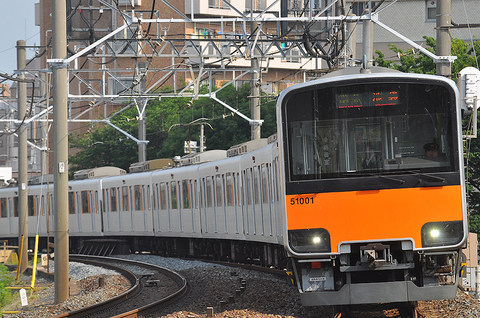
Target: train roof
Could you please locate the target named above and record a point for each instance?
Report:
(360, 70)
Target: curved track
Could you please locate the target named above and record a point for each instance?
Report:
(128, 303)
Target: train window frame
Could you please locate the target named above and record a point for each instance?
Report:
(409, 94)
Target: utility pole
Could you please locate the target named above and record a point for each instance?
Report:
(444, 44)
(22, 155)
(60, 144)
(368, 39)
(142, 135)
(255, 83)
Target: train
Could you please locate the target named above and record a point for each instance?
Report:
(360, 194)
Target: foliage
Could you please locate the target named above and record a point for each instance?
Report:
(170, 122)
(413, 61)
(5, 280)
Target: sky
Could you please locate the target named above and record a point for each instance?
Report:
(17, 22)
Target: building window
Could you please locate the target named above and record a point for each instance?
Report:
(431, 10)
(217, 4)
(359, 7)
(258, 5)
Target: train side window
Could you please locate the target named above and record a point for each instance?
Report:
(113, 200)
(248, 186)
(147, 198)
(173, 192)
(71, 203)
(42, 205)
(256, 185)
(163, 196)
(186, 194)
(209, 192)
(85, 203)
(239, 190)
(155, 196)
(95, 200)
(218, 190)
(137, 197)
(229, 189)
(15, 205)
(3, 207)
(202, 193)
(31, 206)
(125, 198)
(194, 191)
(264, 183)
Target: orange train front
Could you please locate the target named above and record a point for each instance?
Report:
(374, 186)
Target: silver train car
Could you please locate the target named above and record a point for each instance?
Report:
(346, 199)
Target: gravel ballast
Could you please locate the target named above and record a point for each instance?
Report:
(211, 285)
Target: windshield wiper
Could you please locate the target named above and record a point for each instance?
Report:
(428, 176)
(435, 178)
(398, 181)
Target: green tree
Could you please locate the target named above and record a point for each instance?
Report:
(167, 128)
(414, 61)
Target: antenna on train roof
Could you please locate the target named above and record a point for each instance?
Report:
(365, 69)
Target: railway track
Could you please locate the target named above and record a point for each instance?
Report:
(152, 287)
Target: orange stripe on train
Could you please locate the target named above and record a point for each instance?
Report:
(374, 215)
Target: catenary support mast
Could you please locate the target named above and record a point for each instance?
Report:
(60, 144)
(22, 156)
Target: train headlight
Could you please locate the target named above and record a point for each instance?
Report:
(309, 241)
(442, 233)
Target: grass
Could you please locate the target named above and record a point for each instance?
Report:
(5, 280)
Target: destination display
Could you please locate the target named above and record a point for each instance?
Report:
(367, 99)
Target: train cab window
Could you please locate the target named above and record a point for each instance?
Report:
(379, 128)
(125, 203)
(173, 192)
(3, 207)
(71, 203)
